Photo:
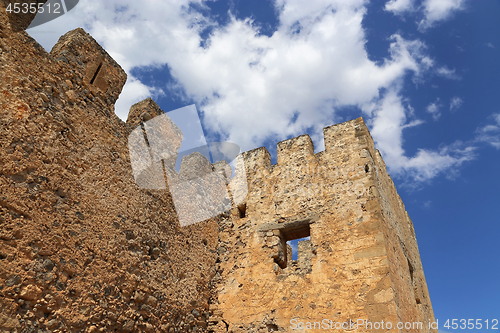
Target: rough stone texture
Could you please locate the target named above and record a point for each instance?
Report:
(102, 76)
(362, 260)
(82, 247)
(144, 111)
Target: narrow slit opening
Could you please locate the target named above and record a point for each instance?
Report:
(414, 283)
(410, 268)
(242, 209)
(95, 74)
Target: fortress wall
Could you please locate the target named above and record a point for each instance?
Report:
(407, 274)
(82, 247)
(334, 194)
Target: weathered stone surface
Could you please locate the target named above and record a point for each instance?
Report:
(143, 111)
(361, 262)
(84, 249)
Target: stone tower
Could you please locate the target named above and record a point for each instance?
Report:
(361, 264)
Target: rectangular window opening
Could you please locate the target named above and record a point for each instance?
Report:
(297, 246)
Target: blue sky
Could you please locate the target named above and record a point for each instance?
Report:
(424, 75)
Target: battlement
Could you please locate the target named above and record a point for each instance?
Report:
(143, 111)
(297, 149)
(194, 165)
(101, 73)
(255, 159)
(341, 140)
(291, 153)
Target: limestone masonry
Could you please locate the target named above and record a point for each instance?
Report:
(83, 248)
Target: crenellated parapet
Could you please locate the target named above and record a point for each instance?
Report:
(256, 159)
(194, 165)
(344, 143)
(300, 150)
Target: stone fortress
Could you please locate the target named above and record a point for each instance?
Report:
(84, 249)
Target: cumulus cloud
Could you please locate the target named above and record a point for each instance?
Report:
(387, 129)
(278, 86)
(491, 132)
(431, 11)
(400, 6)
(455, 103)
(133, 92)
(434, 109)
(447, 73)
(439, 10)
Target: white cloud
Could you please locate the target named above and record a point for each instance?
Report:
(490, 45)
(133, 92)
(439, 10)
(447, 73)
(387, 130)
(433, 11)
(455, 103)
(491, 132)
(400, 6)
(413, 123)
(279, 86)
(434, 109)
